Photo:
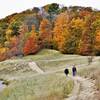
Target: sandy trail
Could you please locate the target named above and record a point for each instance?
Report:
(34, 66)
(84, 89)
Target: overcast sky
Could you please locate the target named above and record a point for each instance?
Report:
(8, 7)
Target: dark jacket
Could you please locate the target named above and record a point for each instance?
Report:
(66, 71)
(74, 69)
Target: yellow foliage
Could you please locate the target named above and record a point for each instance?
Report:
(98, 36)
(97, 42)
(8, 34)
(78, 23)
(3, 50)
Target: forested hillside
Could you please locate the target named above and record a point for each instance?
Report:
(71, 30)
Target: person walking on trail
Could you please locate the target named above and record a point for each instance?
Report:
(66, 71)
(74, 70)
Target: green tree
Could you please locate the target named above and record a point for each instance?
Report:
(14, 26)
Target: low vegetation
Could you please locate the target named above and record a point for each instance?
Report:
(25, 84)
(92, 72)
(47, 87)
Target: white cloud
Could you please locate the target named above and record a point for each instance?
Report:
(8, 7)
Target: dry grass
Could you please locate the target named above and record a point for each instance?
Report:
(42, 87)
(92, 72)
(96, 76)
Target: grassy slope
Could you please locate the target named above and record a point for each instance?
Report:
(51, 59)
(14, 68)
(53, 86)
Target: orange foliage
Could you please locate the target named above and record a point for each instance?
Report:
(45, 29)
(3, 56)
(61, 33)
(97, 41)
(84, 13)
(45, 32)
(14, 41)
(85, 45)
(3, 53)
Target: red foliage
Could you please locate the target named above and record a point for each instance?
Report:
(3, 56)
(85, 43)
(30, 46)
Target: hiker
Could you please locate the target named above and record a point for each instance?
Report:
(66, 71)
(74, 70)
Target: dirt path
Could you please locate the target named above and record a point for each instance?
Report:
(34, 66)
(84, 89)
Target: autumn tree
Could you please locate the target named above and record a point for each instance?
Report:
(87, 38)
(2, 36)
(13, 46)
(96, 29)
(97, 43)
(3, 27)
(85, 12)
(3, 53)
(76, 28)
(35, 10)
(45, 34)
(14, 26)
(15, 43)
(31, 45)
(73, 30)
(52, 10)
(61, 32)
(22, 37)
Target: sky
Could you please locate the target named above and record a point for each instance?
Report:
(8, 7)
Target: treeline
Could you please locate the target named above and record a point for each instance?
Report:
(71, 30)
